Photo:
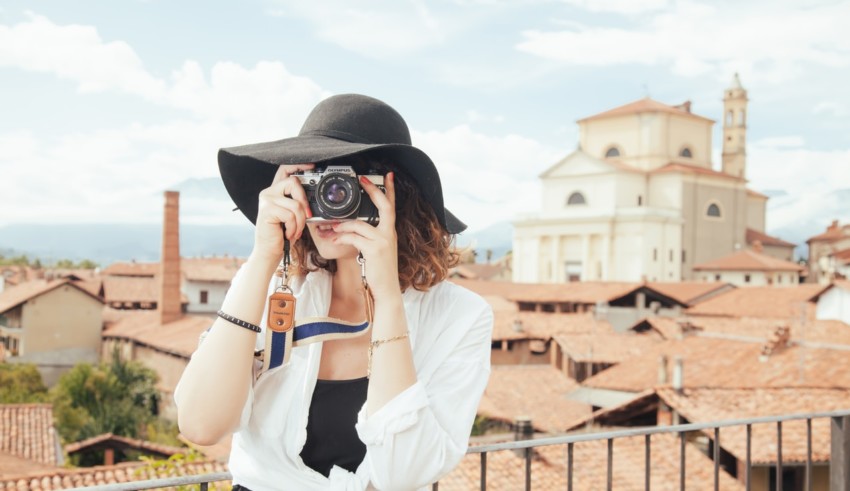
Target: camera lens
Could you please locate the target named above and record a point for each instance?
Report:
(336, 193)
(337, 196)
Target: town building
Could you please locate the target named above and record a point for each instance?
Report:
(640, 200)
(750, 267)
(829, 254)
(53, 324)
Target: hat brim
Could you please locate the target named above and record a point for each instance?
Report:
(248, 169)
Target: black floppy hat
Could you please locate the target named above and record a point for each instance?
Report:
(339, 126)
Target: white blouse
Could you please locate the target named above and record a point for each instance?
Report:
(412, 441)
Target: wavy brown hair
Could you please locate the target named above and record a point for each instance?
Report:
(425, 248)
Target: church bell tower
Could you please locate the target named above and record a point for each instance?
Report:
(735, 129)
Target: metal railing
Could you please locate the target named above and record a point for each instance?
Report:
(839, 454)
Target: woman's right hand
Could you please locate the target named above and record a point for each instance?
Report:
(283, 204)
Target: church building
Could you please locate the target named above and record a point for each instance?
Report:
(639, 199)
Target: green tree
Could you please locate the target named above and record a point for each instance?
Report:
(118, 397)
(21, 383)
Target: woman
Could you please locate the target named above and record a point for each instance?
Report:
(387, 405)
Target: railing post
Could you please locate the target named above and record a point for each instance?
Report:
(839, 461)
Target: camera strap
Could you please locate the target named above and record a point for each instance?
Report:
(283, 331)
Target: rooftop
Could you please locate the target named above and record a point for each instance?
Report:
(645, 105)
(760, 301)
(26, 431)
(748, 260)
(535, 391)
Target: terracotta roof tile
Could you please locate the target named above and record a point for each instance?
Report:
(604, 347)
(14, 465)
(542, 325)
(535, 391)
(179, 337)
(706, 405)
(693, 169)
(215, 269)
(132, 289)
(747, 260)
(768, 240)
(506, 469)
(833, 232)
(101, 475)
(12, 297)
(833, 332)
(643, 106)
(123, 441)
(712, 361)
(689, 292)
(842, 256)
(583, 292)
(756, 194)
(756, 301)
(26, 430)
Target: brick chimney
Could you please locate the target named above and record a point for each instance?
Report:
(169, 305)
(758, 247)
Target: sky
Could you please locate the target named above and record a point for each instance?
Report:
(106, 104)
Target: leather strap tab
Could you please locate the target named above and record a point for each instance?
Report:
(281, 311)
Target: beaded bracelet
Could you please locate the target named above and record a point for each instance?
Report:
(239, 322)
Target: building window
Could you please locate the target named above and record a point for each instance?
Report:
(686, 152)
(612, 152)
(713, 210)
(640, 200)
(576, 199)
(683, 256)
(717, 277)
(655, 254)
(205, 297)
(671, 255)
(729, 119)
(779, 278)
(742, 117)
(746, 278)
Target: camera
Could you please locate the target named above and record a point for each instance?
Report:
(334, 193)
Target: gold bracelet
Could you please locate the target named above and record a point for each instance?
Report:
(374, 344)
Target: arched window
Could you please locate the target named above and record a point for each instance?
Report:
(742, 117)
(612, 152)
(686, 152)
(576, 199)
(713, 210)
(729, 118)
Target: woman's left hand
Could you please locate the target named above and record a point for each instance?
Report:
(378, 244)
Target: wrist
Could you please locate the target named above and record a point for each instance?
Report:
(263, 261)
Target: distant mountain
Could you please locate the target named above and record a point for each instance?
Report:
(107, 243)
(792, 218)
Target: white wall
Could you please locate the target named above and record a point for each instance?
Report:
(757, 278)
(834, 304)
(216, 292)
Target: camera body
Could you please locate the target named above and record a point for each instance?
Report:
(334, 193)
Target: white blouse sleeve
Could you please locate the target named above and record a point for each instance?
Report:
(422, 433)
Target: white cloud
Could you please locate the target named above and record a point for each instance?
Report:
(487, 179)
(696, 39)
(380, 29)
(619, 6)
(76, 53)
(774, 164)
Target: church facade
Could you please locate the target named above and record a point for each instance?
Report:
(639, 200)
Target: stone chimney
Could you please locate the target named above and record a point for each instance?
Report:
(523, 430)
(169, 306)
(777, 341)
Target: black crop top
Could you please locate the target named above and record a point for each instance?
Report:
(331, 437)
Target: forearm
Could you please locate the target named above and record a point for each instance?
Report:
(214, 386)
(392, 369)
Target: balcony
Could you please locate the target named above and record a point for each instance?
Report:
(809, 474)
